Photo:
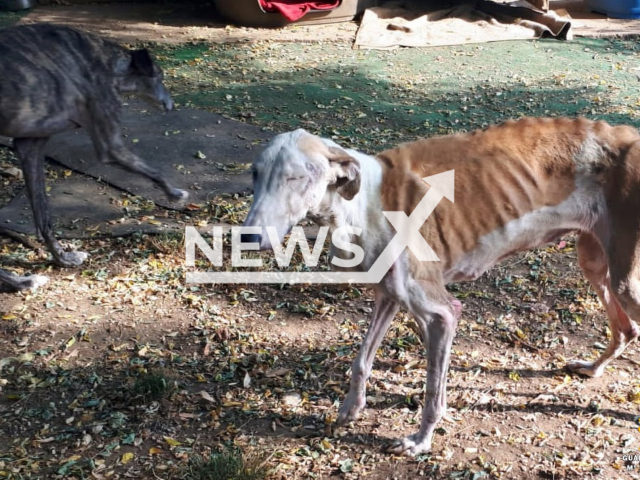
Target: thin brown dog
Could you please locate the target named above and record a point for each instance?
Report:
(517, 186)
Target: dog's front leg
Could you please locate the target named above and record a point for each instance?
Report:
(384, 312)
(104, 128)
(437, 319)
(31, 154)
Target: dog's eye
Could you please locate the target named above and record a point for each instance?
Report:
(295, 179)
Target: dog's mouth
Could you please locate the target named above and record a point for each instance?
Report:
(165, 103)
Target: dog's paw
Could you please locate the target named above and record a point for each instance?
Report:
(585, 368)
(177, 195)
(351, 409)
(72, 259)
(410, 446)
(30, 282)
(36, 281)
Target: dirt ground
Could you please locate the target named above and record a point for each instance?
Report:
(265, 368)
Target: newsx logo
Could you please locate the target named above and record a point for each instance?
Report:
(407, 236)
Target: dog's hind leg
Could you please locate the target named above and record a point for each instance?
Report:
(105, 133)
(385, 310)
(30, 151)
(437, 317)
(595, 265)
(22, 283)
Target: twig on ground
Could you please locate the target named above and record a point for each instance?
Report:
(19, 238)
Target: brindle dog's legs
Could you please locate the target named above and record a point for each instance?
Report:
(104, 129)
(31, 154)
(22, 283)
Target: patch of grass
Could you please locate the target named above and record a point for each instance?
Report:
(226, 465)
(9, 18)
(167, 243)
(153, 386)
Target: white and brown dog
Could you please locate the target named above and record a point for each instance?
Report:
(517, 186)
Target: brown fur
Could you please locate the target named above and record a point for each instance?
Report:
(501, 173)
(517, 186)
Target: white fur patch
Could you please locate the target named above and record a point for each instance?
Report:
(580, 211)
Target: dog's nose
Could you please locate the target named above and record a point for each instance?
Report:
(250, 238)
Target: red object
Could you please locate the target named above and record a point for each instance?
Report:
(296, 9)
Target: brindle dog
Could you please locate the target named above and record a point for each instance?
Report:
(55, 78)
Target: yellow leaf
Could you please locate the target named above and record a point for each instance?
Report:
(9, 316)
(155, 451)
(73, 458)
(172, 441)
(26, 357)
(68, 173)
(127, 457)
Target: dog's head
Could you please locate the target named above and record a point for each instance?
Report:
(293, 176)
(137, 73)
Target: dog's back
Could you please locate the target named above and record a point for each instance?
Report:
(46, 70)
(518, 179)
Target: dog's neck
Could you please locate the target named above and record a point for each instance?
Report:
(335, 211)
(364, 211)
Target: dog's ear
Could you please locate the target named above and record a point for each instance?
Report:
(141, 62)
(347, 172)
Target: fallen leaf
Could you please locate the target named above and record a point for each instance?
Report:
(207, 397)
(172, 441)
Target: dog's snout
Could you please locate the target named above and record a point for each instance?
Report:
(164, 97)
(250, 238)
